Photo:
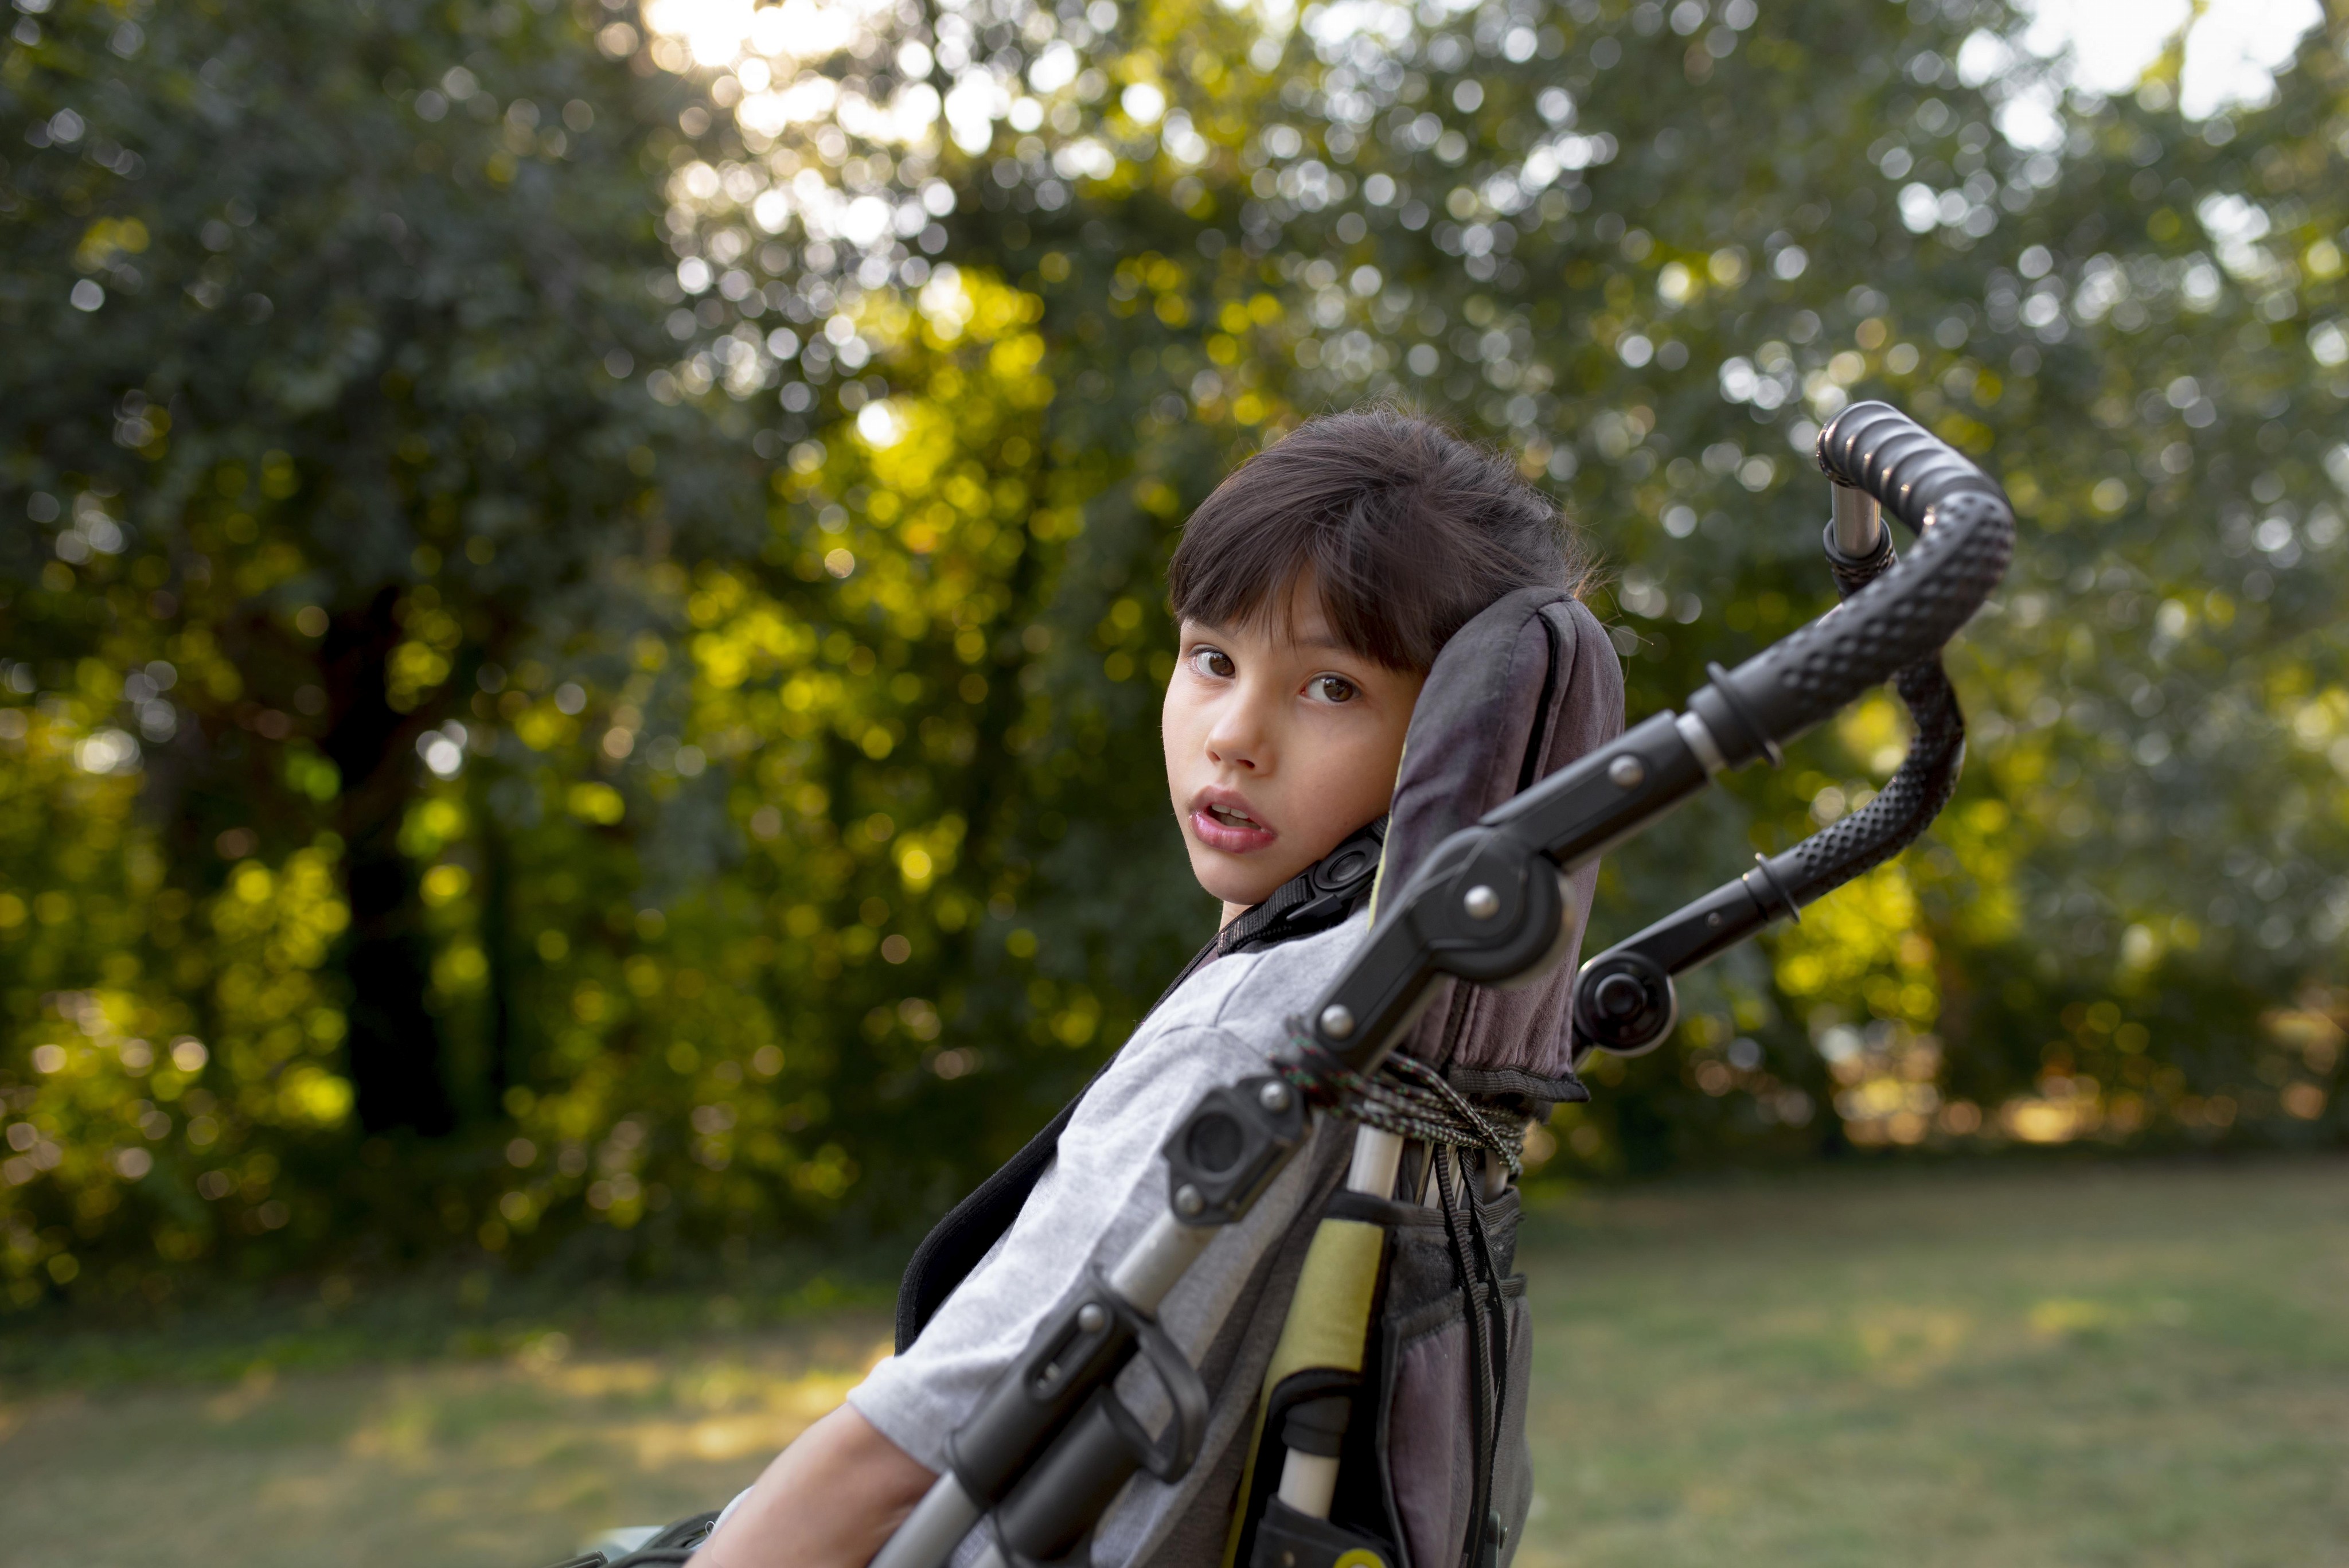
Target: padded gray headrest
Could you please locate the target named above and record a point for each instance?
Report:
(1526, 687)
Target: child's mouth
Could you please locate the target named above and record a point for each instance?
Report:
(1222, 825)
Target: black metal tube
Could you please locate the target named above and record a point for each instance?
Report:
(1781, 884)
(1777, 887)
(1055, 1505)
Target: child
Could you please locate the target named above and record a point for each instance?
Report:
(1314, 589)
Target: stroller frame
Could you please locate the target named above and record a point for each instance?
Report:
(1050, 1445)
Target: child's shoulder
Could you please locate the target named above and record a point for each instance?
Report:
(1252, 996)
(1222, 1024)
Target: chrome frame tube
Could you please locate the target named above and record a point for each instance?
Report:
(935, 1528)
(1859, 521)
(1153, 1264)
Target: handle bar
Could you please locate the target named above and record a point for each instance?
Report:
(1966, 533)
(1623, 999)
(1479, 910)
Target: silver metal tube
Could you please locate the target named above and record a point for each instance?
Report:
(933, 1530)
(1377, 1156)
(1858, 521)
(1308, 1483)
(1700, 740)
(1151, 1265)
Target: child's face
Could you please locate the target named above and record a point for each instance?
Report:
(1279, 743)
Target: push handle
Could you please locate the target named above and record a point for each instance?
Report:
(1966, 531)
(1623, 999)
(1906, 805)
(1461, 913)
(1909, 470)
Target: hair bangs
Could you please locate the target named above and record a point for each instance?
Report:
(1401, 530)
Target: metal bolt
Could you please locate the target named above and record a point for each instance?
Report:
(1482, 903)
(1189, 1199)
(1337, 1021)
(1091, 1318)
(1626, 771)
(1273, 1097)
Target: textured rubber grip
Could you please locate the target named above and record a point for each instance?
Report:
(1623, 998)
(1906, 805)
(1966, 537)
(1910, 470)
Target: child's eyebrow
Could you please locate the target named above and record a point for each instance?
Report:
(1322, 642)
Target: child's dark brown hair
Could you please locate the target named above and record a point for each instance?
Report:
(1405, 530)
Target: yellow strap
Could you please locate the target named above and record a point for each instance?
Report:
(1329, 1316)
(1379, 877)
(1328, 1328)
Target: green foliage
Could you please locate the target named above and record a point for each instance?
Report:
(584, 674)
(321, 411)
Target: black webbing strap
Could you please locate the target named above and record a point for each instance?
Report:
(1318, 897)
(1483, 1316)
(669, 1549)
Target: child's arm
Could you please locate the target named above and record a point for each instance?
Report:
(829, 1500)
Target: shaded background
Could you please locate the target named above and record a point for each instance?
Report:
(581, 611)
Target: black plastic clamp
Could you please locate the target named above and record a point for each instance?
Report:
(1287, 1539)
(1225, 1154)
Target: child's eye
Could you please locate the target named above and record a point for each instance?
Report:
(1332, 689)
(1212, 663)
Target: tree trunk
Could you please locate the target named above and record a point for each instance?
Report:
(395, 1046)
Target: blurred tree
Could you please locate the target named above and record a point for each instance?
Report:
(338, 394)
(1563, 226)
(405, 662)
(321, 408)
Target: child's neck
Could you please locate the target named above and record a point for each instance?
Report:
(1231, 912)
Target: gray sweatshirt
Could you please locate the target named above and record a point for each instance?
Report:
(1105, 1186)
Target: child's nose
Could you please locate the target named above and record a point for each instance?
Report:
(1232, 752)
(1238, 738)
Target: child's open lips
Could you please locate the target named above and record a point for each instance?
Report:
(1223, 819)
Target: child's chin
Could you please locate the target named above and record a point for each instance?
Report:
(1226, 890)
(1229, 881)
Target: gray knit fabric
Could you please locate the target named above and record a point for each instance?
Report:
(1537, 666)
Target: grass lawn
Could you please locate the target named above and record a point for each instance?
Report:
(2140, 1365)
(2144, 1366)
